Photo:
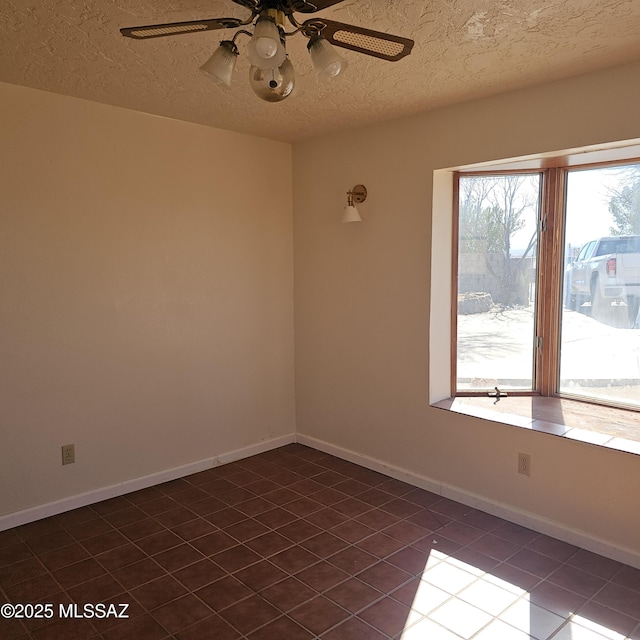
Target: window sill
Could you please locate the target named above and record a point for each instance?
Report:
(594, 424)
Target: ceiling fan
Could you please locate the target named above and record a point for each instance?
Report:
(271, 74)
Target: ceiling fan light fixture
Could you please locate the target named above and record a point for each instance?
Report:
(265, 49)
(327, 62)
(271, 74)
(221, 64)
(273, 85)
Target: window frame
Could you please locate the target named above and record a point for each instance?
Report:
(551, 252)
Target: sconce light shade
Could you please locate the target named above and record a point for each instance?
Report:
(265, 50)
(351, 214)
(357, 195)
(326, 60)
(222, 63)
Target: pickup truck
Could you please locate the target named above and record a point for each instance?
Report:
(606, 270)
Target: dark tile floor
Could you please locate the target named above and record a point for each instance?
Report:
(296, 544)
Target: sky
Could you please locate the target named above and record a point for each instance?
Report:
(587, 216)
(587, 207)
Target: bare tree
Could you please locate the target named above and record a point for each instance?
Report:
(474, 214)
(624, 203)
(511, 203)
(492, 210)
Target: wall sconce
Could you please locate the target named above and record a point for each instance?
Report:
(357, 195)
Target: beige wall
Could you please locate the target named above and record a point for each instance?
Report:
(362, 302)
(146, 297)
(146, 294)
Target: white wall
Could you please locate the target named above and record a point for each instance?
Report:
(362, 303)
(146, 294)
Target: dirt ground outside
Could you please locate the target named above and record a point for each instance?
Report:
(599, 357)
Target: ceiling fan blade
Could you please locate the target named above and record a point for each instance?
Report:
(249, 4)
(178, 28)
(311, 6)
(348, 36)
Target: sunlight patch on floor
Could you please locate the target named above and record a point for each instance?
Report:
(463, 601)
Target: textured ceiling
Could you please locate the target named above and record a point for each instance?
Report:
(464, 49)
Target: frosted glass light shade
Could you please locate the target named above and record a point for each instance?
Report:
(326, 60)
(351, 214)
(221, 64)
(265, 50)
(273, 85)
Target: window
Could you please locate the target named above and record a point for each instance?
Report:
(547, 283)
(497, 275)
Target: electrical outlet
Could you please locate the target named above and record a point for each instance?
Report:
(68, 453)
(524, 464)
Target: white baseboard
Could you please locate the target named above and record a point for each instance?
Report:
(508, 512)
(255, 449)
(10, 520)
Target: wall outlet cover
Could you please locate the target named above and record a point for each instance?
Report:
(68, 453)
